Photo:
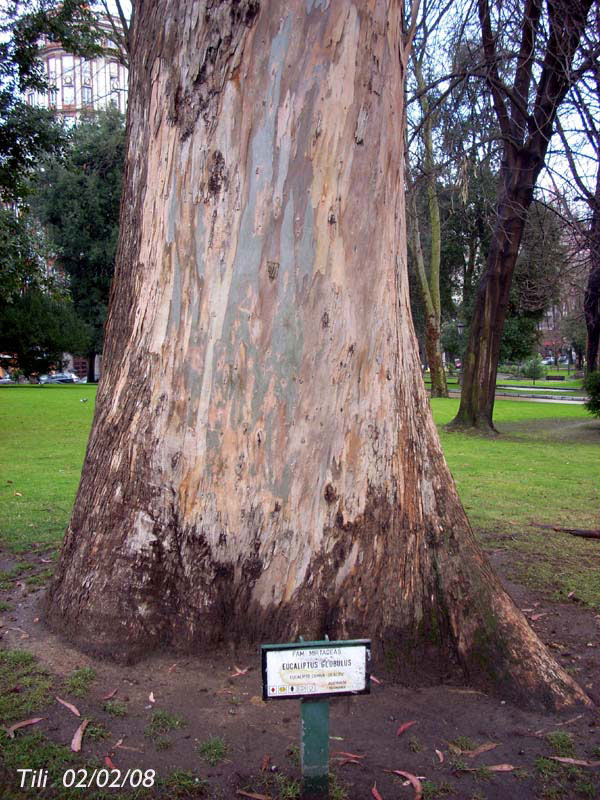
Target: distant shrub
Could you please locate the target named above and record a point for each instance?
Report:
(591, 384)
(510, 369)
(534, 369)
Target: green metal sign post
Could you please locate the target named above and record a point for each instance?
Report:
(312, 672)
(314, 749)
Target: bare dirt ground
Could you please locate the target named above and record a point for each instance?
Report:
(219, 695)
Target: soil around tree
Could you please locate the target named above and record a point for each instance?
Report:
(219, 695)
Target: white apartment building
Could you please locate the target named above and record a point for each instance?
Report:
(76, 83)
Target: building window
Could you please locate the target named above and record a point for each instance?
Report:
(53, 98)
(51, 71)
(68, 96)
(86, 73)
(31, 99)
(113, 69)
(86, 95)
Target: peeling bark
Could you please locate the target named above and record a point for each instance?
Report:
(263, 462)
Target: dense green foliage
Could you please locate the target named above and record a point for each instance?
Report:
(37, 328)
(77, 199)
(592, 386)
(22, 262)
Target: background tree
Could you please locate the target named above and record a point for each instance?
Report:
(77, 200)
(37, 329)
(263, 460)
(580, 136)
(422, 173)
(538, 33)
(26, 132)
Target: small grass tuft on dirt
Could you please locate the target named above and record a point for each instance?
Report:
(162, 722)
(212, 750)
(287, 789)
(433, 791)
(561, 744)
(115, 708)
(463, 743)
(184, 783)
(80, 680)
(24, 685)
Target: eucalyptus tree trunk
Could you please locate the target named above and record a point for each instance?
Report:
(263, 462)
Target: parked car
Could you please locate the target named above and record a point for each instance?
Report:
(548, 361)
(6, 379)
(59, 377)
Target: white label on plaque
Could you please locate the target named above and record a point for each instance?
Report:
(316, 670)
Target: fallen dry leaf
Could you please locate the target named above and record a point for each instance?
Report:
(130, 749)
(577, 761)
(483, 748)
(70, 706)
(151, 697)
(405, 726)
(342, 754)
(172, 667)
(492, 768)
(440, 756)
(265, 763)
(252, 795)
(109, 763)
(11, 730)
(375, 793)
(24, 634)
(18, 494)
(413, 780)
(349, 761)
(239, 671)
(119, 743)
(376, 680)
(110, 695)
(78, 736)
(535, 617)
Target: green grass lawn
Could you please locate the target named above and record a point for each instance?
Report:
(44, 434)
(544, 468)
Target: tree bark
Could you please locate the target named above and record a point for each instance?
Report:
(263, 462)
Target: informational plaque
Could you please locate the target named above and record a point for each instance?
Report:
(316, 669)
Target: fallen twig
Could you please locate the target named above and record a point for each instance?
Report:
(585, 534)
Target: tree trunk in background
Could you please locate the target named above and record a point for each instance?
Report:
(433, 347)
(263, 462)
(493, 294)
(428, 280)
(91, 368)
(591, 302)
